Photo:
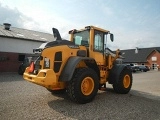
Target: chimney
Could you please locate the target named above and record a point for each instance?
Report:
(136, 50)
(6, 26)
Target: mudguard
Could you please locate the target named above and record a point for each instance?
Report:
(115, 73)
(71, 64)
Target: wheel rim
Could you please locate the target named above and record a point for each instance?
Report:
(126, 81)
(87, 85)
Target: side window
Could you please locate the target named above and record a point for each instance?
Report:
(98, 41)
(81, 41)
(82, 38)
(21, 58)
(78, 40)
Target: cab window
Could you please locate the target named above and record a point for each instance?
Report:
(81, 38)
(98, 41)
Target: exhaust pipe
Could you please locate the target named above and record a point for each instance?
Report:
(56, 34)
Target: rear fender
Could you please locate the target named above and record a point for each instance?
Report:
(71, 64)
(115, 73)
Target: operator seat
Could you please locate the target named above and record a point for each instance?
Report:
(85, 43)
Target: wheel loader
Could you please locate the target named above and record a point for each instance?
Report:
(79, 67)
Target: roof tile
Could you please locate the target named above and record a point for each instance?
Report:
(25, 34)
(132, 57)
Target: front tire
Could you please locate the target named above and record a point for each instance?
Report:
(83, 86)
(124, 83)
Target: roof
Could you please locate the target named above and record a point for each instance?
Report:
(131, 57)
(20, 33)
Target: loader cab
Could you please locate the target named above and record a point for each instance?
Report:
(94, 39)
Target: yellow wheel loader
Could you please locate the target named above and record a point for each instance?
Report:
(80, 67)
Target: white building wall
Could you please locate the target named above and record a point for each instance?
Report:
(18, 45)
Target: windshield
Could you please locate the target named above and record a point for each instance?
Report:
(81, 38)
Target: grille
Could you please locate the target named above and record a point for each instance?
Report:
(57, 61)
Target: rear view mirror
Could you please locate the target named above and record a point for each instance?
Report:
(112, 37)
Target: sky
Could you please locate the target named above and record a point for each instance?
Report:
(134, 23)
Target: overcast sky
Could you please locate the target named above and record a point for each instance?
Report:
(134, 23)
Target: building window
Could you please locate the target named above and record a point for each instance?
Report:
(21, 58)
(3, 58)
(154, 58)
(154, 66)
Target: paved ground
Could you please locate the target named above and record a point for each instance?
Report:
(21, 100)
(147, 83)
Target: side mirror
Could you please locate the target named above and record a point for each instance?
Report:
(112, 37)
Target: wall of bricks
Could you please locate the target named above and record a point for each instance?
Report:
(150, 61)
(9, 62)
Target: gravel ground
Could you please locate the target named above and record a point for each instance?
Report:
(22, 100)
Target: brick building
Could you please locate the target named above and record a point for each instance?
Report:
(143, 56)
(16, 44)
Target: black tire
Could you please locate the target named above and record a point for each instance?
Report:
(57, 91)
(83, 86)
(20, 71)
(124, 83)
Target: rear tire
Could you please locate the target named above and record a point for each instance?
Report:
(20, 71)
(124, 83)
(83, 86)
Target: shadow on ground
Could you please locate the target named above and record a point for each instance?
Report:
(109, 105)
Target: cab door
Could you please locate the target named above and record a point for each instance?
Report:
(97, 48)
